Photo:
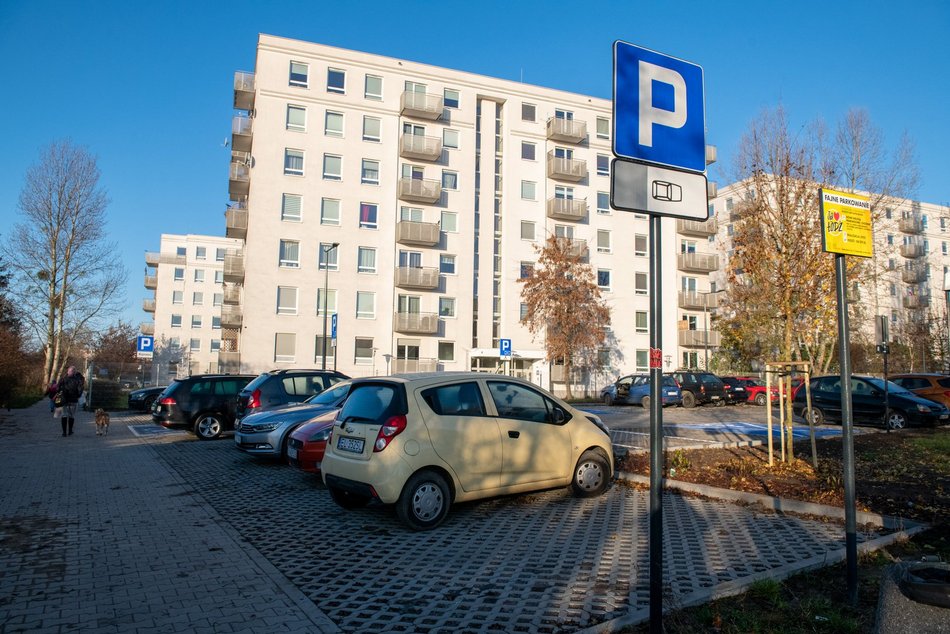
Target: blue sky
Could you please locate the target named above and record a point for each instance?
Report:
(147, 86)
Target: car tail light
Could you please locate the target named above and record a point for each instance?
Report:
(390, 429)
(255, 400)
(167, 401)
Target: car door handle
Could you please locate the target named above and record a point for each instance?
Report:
(514, 434)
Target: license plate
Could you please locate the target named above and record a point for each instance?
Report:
(292, 452)
(740, 389)
(944, 416)
(353, 445)
(715, 398)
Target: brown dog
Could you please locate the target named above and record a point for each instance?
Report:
(102, 422)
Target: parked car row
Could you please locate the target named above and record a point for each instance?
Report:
(687, 388)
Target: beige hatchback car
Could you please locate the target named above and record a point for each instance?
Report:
(424, 441)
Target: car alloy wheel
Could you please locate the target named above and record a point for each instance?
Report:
(208, 426)
(896, 419)
(817, 416)
(760, 399)
(591, 475)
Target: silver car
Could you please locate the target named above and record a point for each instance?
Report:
(267, 433)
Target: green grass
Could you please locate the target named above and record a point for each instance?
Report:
(26, 398)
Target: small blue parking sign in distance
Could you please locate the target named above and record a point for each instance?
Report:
(504, 347)
(658, 109)
(145, 344)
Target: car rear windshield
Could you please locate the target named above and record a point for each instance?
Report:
(709, 379)
(669, 381)
(371, 403)
(330, 396)
(943, 382)
(256, 383)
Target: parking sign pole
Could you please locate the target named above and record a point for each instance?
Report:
(847, 431)
(656, 430)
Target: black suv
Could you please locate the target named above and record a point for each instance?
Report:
(279, 387)
(700, 387)
(203, 403)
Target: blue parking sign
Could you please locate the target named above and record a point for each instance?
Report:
(145, 344)
(504, 347)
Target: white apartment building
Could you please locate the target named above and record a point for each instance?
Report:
(187, 275)
(416, 196)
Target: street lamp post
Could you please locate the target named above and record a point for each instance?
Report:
(326, 289)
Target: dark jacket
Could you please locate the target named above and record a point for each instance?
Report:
(71, 387)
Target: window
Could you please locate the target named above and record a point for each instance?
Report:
(365, 305)
(526, 270)
(216, 323)
(446, 307)
(219, 277)
(528, 150)
(369, 173)
(640, 323)
(528, 112)
(286, 300)
(363, 350)
(450, 138)
(528, 189)
(603, 128)
(299, 73)
(219, 254)
(176, 321)
(450, 98)
(566, 115)
(449, 221)
(215, 345)
(177, 297)
(194, 345)
(603, 241)
(296, 117)
(217, 299)
(522, 403)
(640, 284)
(330, 307)
(329, 212)
(199, 275)
(332, 167)
(527, 230)
(293, 162)
(285, 347)
(201, 253)
(336, 81)
(447, 264)
(289, 256)
(197, 298)
(179, 274)
(368, 212)
(366, 260)
(181, 251)
(522, 311)
(450, 180)
(373, 87)
(943, 247)
(642, 360)
(410, 214)
(290, 207)
(333, 124)
(329, 257)
(603, 279)
(639, 244)
(603, 165)
(603, 202)
(371, 127)
(890, 238)
(196, 321)
(893, 289)
(446, 351)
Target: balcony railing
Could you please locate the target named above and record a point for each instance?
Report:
(235, 221)
(151, 282)
(239, 179)
(421, 105)
(576, 248)
(567, 130)
(229, 361)
(697, 262)
(697, 228)
(565, 168)
(244, 90)
(426, 277)
(154, 259)
(691, 300)
(913, 274)
(231, 317)
(423, 148)
(418, 233)
(147, 328)
(148, 305)
(699, 338)
(912, 250)
(417, 323)
(567, 209)
(404, 366)
(234, 266)
(232, 295)
(916, 301)
(242, 129)
(422, 190)
(912, 223)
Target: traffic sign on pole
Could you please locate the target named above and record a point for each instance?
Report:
(144, 347)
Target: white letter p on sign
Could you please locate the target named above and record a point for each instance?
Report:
(675, 118)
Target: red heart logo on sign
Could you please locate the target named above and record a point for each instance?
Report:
(836, 216)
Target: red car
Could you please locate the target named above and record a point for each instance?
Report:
(309, 442)
(755, 389)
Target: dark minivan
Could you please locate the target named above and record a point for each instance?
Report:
(202, 403)
(700, 387)
(280, 387)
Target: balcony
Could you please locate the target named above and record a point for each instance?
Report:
(426, 234)
(913, 274)
(148, 305)
(419, 190)
(151, 282)
(232, 295)
(229, 361)
(698, 338)
(244, 90)
(916, 301)
(697, 262)
(417, 323)
(566, 130)
(567, 209)
(234, 266)
(403, 366)
(241, 133)
(147, 328)
(154, 259)
(911, 223)
(235, 221)
(426, 277)
(423, 148)
(566, 169)
(231, 317)
(239, 180)
(691, 300)
(421, 105)
(913, 250)
(697, 228)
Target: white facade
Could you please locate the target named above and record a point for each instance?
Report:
(437, 186)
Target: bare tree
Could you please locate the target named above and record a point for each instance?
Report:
(564, 301)
(66, 275)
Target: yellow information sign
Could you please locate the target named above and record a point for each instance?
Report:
(845, 223)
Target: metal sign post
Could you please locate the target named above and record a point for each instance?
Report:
(656, 428)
